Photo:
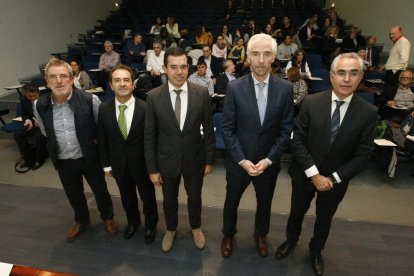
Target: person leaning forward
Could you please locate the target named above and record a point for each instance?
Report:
(67, 117)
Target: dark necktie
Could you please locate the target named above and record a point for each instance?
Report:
(122, 120)
(261, 101)
(369, 56)
(336, 120)
(177, 107)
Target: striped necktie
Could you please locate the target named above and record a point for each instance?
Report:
(336, 120)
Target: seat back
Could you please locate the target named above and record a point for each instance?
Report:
(217, 126)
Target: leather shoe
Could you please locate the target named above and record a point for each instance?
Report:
(37, 165)
(226, 247)
(111, 227)
(284, 250)
(261, 245)
(130, 231)
(149, 236)
(75, 231)
(317, 263)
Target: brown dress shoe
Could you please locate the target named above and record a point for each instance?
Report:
(226, 247)
(261, 245)
(75, 231)
(111, 227)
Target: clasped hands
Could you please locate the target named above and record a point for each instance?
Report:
(254, 170)
(322, 183)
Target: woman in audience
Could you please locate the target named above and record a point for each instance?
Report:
(268, 29)
(228, 38)
(238, 55)
(172, 28)
(156, 28)
(202, 37)
(300, 88)
(331, 45)
(220, 48)
(164, 38)
(299, 61)
(324, 31)
(81, 79)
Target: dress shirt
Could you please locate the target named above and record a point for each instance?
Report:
(209, 72)
(204, 81)
(155, 62)
(399, 55)
(68, 146)
(107, 62)
(342, 111)
(184, 100)
(230, 76)
(307, 71)
(284, 50)
(173, 31)
(137, 49)
(219, 53)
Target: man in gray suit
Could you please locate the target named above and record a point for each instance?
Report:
(332, 142)
(174, 146)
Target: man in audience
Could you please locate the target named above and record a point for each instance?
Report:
(226, 76)
(155, 62)
(332, 142)
(256, 125)
(353, 42)
(107, 61)
(336, 21)
(174, 146)
(135, 50)
(200, 77)
(286, 50)
(213, 63)
(372, 57)
(397, 59)
(67, 117)
(32, 158)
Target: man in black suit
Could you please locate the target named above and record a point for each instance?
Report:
(226, 76)
(213, 63)
(372, 57)
(174, 146)
(256, 125)
(121, 145)
(332, 142)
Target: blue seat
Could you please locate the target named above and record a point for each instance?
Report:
(109, 93)
(369, 97)
(14, 125)
(320, 85)
(219, 138)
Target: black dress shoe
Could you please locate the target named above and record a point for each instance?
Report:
(317, 263)
(130, 231)
(150, 235)
(37, 165)
(284, 250)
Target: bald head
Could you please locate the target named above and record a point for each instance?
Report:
(395, 33)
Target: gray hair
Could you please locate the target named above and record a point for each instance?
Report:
(107, 42)
(347, 56)
(58, 63)
(262, 38)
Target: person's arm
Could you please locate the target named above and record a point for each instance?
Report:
(210, 87)
(88, 84)
(150, 137)
(95, 105)
(115, 61)
(103, 144)
(208, 129)
(38, 119)
(150, 61)
(102, 64)
(308, 73)
(405, 53)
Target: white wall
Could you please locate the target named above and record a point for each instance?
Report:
(375, 17)
(32, 29)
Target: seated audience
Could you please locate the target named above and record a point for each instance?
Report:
(228, 38)
(172, 28)
(314, 18)
(156, 28)
(32, 158)
(331, 44)
(372, 58)
(287, 29)
(164, 38)
(336, 21)
(135, 50)
(110, 58)
(299, 61)
(81, 79)
(353, 42)
(268, 29)
(220, 48)
(286, 49)
(251, 29)
(202, 37)
(226, 76)
(362, 87)
(213, 63)
(238, 54)
(154, 64)
(299, 86)
(308, 35)
(324, 31)
(200, 77)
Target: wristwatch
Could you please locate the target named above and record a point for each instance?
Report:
(333, 179)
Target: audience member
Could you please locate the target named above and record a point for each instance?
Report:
(331, 44)
(81, 79)
(353, 42)
(156, 28)
(268, 29)
(121, 145)
(135, 50)
(228, 38)
(202, 37)
(172, 28)
(372, 57)
(67, 117)
(314, 18)
(308, 35)
(225, 77)
(110, 58)
(286, 49)
(155, 62)
(251, 29)
(287, 29)
(213, 63)
(299, 61)
(174, 146)
(362, 87)
(336, 21)
(300, 88)
(256, 125)
(324, 31)
(32, 157)
(164, 38)
(200, 77)
(220, 48)
(324, 162)
(238, 54)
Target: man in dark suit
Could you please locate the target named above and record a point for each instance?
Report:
(121, 144)
(174, 146)
(332, 142)
(213, 63)
(256, 126)
(372, 57)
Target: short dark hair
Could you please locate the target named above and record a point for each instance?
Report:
(31, 87)
(175, 52)
(201, 62)
(121, 67)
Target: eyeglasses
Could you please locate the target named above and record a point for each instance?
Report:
(62, 77)
(352, 74)
(406, 78)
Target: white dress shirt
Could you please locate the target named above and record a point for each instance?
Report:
(184, 100)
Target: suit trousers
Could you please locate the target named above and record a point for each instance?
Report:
(264, 186)
(22, 140)
(71, 172)
(326, 205)
(128, 184)
(193, 185)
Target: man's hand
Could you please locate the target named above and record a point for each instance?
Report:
(381, 69)
(261, 166)
(322, 183)
(156, 179)
(208, 169)
(250, 168)
(155, 73)
(391, 103)
(28, 125)
(109, 173)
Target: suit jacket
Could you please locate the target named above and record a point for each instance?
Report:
(215, 65)
(168, 149)
(222, 81)
(349, 45)
(243, 135)
(375, 55)
(114, 150)
(348, 154)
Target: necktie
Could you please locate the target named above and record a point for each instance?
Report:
(122, 121)
(177, 107)
(369, 56)
(261, 102)
(336, 120)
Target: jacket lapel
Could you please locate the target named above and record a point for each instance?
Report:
(114, 119)
(250, 95)
(326, 106)
(166, 101)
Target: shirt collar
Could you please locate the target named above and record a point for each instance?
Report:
(127, 103)
(265, 81)
(67, 100)
(347, 99)
(171, 88)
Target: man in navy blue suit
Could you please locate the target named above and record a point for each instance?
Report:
(257, 123)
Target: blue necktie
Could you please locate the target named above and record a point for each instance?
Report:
(261, 102)
(336, 120)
